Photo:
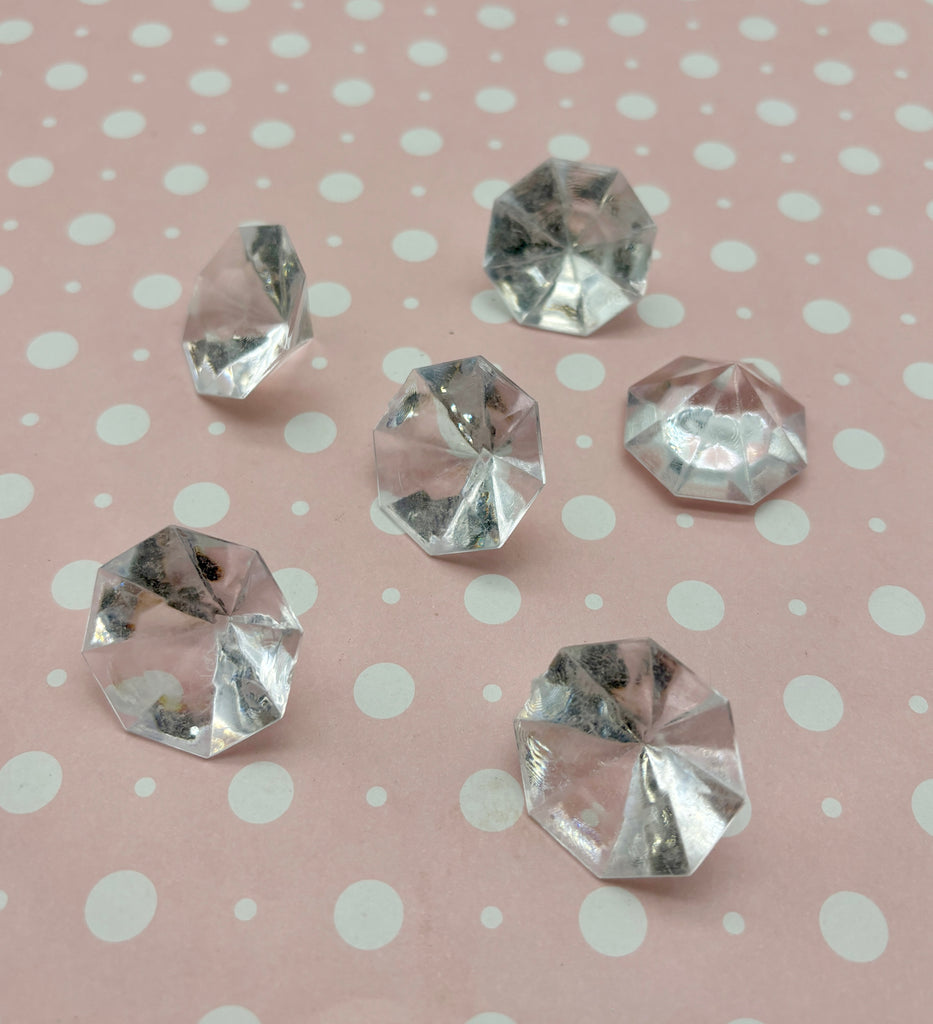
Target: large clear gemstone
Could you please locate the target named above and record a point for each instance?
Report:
(248, 312)
(192, 641)
(629, 760)
(569, 247)
(716, 431)
(458, 456)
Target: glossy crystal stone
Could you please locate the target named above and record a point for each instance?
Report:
(192, 641)
(458, 456)
(716, 431)
(249, 311)
(628, 760)
(569, 247)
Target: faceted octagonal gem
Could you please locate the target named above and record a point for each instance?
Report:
(569, 247)
(716, 431)
(629, 760)
(248, 312)
(192, 641)
(458, 456)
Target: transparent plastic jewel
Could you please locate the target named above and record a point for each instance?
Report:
(249, 311)
(628, 760)
(717, 431)
(569, 247)
(192, 641)
(458, 456)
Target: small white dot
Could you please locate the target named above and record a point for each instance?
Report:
(494, 144)
(300, 508)
(29, 419)
(245, 909)
(685, 520)
(831, 807)
(724, 204)
(733, 923)
(787, 158)
(797, 607)
(707, 108)
(103, 500)
(418, 191)
(593, 601)
(842, 379)
(424, 96)
(216, 428)
(584, 441)
(319, 363)
(376, 796)
(348, 137)
(877, 525)
(334, 240)
(918, 704)
(491, 917)
(908, 318)
(10, 225)
(391, 596)
(58, 676)
(198, 129)
(72, 287)
(107, 174)
(410, 303)
(492, 693)
(171, 232)
(743, 313)
(145, 786)
(263, 182)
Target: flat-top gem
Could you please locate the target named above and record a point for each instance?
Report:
(249, 311)
(628, 760)
(192, 641)
(716, 431)
(458, 456)
(569, 247)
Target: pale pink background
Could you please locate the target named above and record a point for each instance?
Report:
(289, 962)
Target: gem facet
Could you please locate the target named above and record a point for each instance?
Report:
(248, 312)
(192, 641)
(458, 456)
(716, 431)
(569, 247)
(628, 760)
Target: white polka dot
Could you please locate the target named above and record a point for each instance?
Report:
(123, 124)
(776, 112)
(896, 610)
(741, 821)
(229, 6)
(495, 16)
(216, 428)
(260, 792)
(733, 256)
(782, 522)
(410, 303)
(340, 187)
(888, 33)
(891, 264)
(684, 519)
(123, 424)
(699, 65)
(877, 525)
(376, 796)
(626, 23)
(636, 106)
(834, 72)
(826, 316)
(91, 228)
(209, 82)
(660, 310)
(103, 500)
(487, 192)
(859, 160)
(202, 504)
(300, 508)
(853, 927)
(73, 584)
(759, 30)
(568, 147)
(492, 599)
(563, 62)
(289, 45)
(921, 803)
(52, 350)
(310, 432)
(391, 595)
(381, 521)
(584, 441)
(15, 30)
(580, 372)
(157, 291)
(695, 605)
(489, 307)
(588, 517)
(831, 807)
(30, 171)
(299, 588)
(796, 607)
(120, 906)
(16, 494)
(733, 923)
(185, 179)
(914, 118)
(654, 199)
(368, 914)
(495, 100)
(593, 601)
(491, 800)
(919, 705)
(66, 76)
(56, 677)
(858, 448)
(230, 1015)
(918, 378)
(799, 206)
(29, 781)
(813, 703)
(6, 280)
(353, 92)
(490, 1017)
(715, 156)
(327, 298)
(491, 917)
(414, 246)
(144, 787)
(363, 10)
(764, 366)
(272, 134)
(421, 142)
(384, 690)
(492, 693)
(244, 909)
(613, 921)
(427, 53)
(151, 34)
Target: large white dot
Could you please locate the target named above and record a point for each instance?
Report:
(272, 134)
(310, 432)
(15, 30)
(854, 927)
(228, 6)
(363, 10)
(826, 316)
(299, 588)
(384, 690)
(563, 62)
(495, 100)
(699, 65)
(660, 310)
(120, 906)
(91, 228)
(858, 448)
(289, 45)
(695, 605)
(833, 72)
(399, 363)
(6, 280)
(492, 599)
(914, 117)
(421, 142)
(495, 16)
(229, 1014)
(921, 803)
(759, 30)
(52, 350)
(568, 147)
(185, 179)
(489, 307)
(16, 493)
(488, 191)
(30, 171)
(66, 76)
(888, 33)
(427, 53)
(588, 517)
(714, 156)
(209, 82)
(626, 23)
(733, 256)
(891, 264)
(157, 291)
(776, 112)
(782, 522)
(327, 298)
(859, 160)
(73, 584)
(799, 206)
(260, 792)
(29, 781)
(491, 800)
(368, 914)
(414, 246)
(381, 521)
(202, 504)
(340, 187)
(353, 92)
(918, 378)
(813, 703)
(123, 424)
(580, 371)
(636, 106)
(741, 821)
(613, 921)
(123, 124)
(896, 610)
(151, 34)
(654, 199)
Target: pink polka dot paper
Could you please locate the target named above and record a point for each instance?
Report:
(369, 858)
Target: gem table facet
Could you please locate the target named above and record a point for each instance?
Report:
(569, 247)
(192, 641)
(628, 760)
(458, 456)
(249, 311)
(716, 431)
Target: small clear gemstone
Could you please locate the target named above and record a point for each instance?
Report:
(192, 641)
(248, 312)
(716, 431)
(569, 247)
(628, 760)
(458, 456)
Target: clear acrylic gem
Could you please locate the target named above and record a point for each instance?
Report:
(716, 431)
(569, 247)
(249, 311)
(192, 641)
(458, 456)
(628, 760)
